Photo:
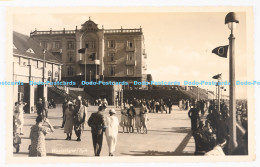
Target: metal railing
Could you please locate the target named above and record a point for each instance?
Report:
(110, 31)
(61, 32)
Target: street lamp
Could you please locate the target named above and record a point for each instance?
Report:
(231, 20)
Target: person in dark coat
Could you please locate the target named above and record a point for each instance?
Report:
(97, 124)
(79, 118)
(194, 117)
(64, 106)
(169, 104)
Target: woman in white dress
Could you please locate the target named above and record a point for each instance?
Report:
(111, 131)
(19, 117)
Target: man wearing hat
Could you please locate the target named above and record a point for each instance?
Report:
(111, 131)
(97, 124)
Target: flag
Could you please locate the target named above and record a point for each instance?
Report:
(92, 56)
(217, 76)
(221, 51)
(82, 50)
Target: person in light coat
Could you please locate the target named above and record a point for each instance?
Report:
(112, 124)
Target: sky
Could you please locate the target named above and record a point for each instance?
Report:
(178, 44)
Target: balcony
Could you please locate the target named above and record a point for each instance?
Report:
(130, 63)
(91, 62)
(111, 62)
(128, 49)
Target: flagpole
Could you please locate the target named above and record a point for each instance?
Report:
(85, 65)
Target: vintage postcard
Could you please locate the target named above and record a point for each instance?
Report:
(130, 84)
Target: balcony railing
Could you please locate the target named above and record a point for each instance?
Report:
(61, 32)
(128, 49)
(130, 62)
(111, 62)
(95, 62)
(111, 31)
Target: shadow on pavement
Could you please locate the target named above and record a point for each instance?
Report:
(178, 151)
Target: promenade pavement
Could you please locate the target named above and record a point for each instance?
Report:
(168, 135)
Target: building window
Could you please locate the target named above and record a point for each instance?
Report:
(111, 44)
(90, 44)
(111, 57)
(112, 71)
(130, 71)
(56, 45)
(130, 44)
(130, 56)
(49, 75)
(44, 44)
(70, 45)
(70, 56)
(70, 71)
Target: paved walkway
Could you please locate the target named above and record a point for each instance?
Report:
(168, 135)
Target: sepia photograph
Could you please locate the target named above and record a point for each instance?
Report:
(126, 82)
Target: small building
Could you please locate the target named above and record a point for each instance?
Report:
(28, 65)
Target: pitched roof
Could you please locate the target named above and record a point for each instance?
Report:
(23, 43)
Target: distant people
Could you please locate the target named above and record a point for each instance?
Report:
(116, 101)
(37, 136)
(97, 124)
(69, 119)
(80, 115)
(111, 131)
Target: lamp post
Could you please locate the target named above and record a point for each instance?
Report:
(231, 20)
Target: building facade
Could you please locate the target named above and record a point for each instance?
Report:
(28, 65)
(108, 54)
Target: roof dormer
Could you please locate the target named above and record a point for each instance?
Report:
(30, 51)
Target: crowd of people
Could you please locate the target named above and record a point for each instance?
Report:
(210, 126)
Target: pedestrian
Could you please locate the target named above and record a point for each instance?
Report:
(131, 118)
(169, 104)
(144, 118)
(157, 106)
(180, 104)
(64, 106)
(194, 116)
(111, 131)
(39, 107)
(37, 136)
(80, 114)
(69, 120)
(124, 119)
(45, 107)
(97, 124)
(138, 123)
(19, 117)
